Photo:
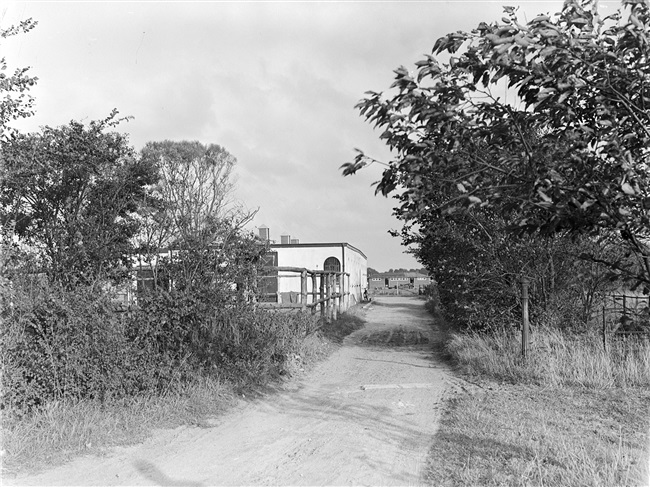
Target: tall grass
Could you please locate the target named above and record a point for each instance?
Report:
(555, 358)
(571, 413)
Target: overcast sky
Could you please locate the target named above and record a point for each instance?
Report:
(275, 83)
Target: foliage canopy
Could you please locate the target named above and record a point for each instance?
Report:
(564, 148)
(72, 194)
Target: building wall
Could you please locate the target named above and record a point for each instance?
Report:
(392, 280)
(357, 265)
(312, 257)
(376, 283)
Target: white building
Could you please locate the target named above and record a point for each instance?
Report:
(338, 257)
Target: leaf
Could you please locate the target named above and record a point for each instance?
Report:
(540, 18)
(586, 204)
(563, 97)
(578, 21)
(627, 189)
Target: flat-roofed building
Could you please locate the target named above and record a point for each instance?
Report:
(391, 280)
(321, 256)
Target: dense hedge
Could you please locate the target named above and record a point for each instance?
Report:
(58, 343)
(188, 331)
(76, 343)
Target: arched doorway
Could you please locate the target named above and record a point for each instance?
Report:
(332, 264)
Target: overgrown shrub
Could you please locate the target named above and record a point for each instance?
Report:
(194, 332)
(59, 343)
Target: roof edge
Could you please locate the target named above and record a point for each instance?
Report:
(333, 244)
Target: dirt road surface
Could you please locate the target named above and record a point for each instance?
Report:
(366, 416)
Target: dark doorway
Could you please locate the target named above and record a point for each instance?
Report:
(269, 279)
(332, 264)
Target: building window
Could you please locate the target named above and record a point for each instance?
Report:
(145, 280)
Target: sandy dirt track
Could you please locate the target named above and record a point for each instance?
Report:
(366, 416)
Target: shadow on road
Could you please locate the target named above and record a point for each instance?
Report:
(342, 327)
(153, 473)
(337, 414)
(385, 301)
(396, 362)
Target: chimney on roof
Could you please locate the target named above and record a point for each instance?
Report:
(285, 239)
(264, 233)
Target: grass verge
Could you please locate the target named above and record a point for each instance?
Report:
(570, 414)
(530, 435)
(63, 430)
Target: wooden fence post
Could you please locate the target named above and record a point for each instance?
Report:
(332, 295)
(328, 293)
(314, 291)
(303, 290)
(524, 316)
(323, 277)
(336, 302)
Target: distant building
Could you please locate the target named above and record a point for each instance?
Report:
(376, 282)
(411, 280)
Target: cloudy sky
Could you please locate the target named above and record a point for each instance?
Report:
(275, 83)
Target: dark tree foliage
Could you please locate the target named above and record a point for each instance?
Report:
(565, 151)
(477, 267)
(71, 194)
